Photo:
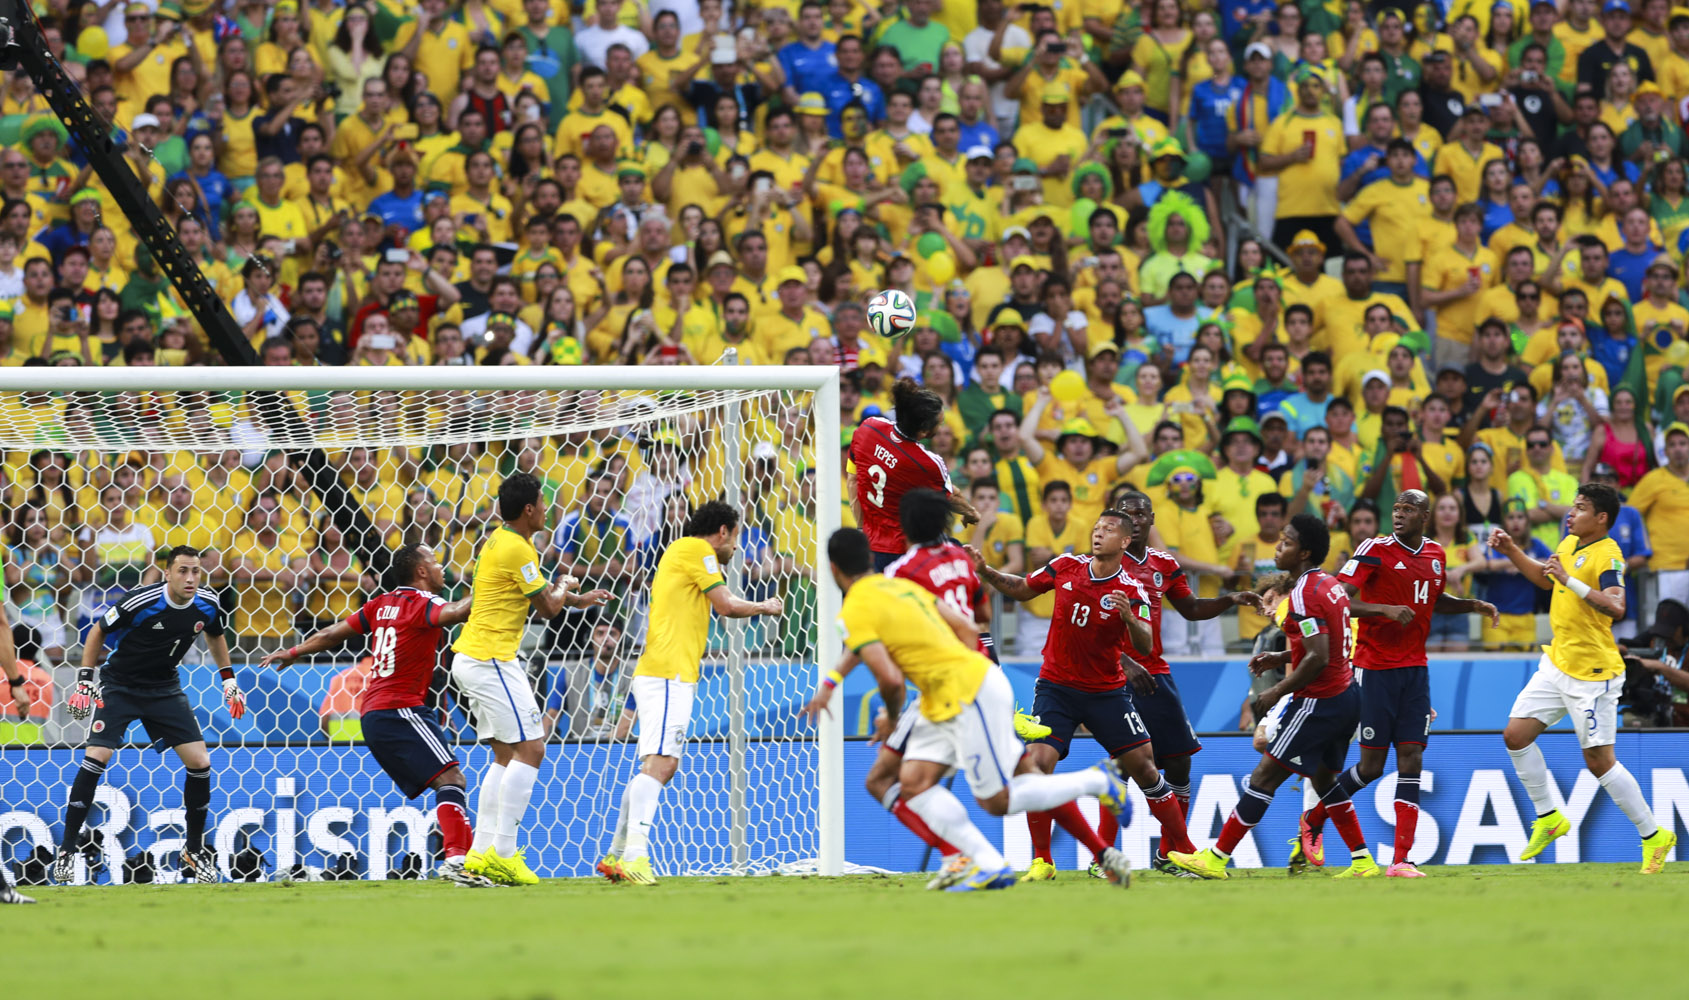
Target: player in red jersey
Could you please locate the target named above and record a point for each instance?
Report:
(1397, 581)
(1082, 681)
(406, 626)
(1153, 690)
(890, 462)
(1311, 714)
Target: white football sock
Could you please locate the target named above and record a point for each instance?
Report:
(1037, 792)
(947, 817)
(642, 794)
(1533, 774)
(514, 792)
(619, 841)
(1622, 786)
(486, 807)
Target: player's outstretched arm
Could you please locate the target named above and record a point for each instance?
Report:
(1450, 605)
(1199, 609)
(321, 640)
(232, 697)
(891, 686)
(728, 606)
(456, 612)
(1013, 587)
(1531, 569)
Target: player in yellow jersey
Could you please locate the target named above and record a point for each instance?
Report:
(508, 582)
(967, 711)
(1581, 673)
(687, 586)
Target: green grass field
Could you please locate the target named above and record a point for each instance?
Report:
(1540, 931)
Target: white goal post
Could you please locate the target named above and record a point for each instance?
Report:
(758, 810)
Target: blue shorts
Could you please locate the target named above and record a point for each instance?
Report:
(1164, 714)
(1395, 706)
(1314, 733)
(408, 746)
(1111, 717)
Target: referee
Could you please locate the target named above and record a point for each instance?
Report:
(149, 630)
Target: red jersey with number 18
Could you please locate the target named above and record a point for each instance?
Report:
(944, 571)
(1319, 605)
(889, 465)
(1160, 575)
(1384, 571)
(1087, 632)
(405, 634)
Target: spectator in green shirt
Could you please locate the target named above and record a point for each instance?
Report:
(1546, 492)
(917, 38)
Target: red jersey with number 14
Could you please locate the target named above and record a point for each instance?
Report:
(889, 465)
(1320, 606)
(944, 571)
(404, 631)
(1087, 631)
(1160, 575)
(1384, 571)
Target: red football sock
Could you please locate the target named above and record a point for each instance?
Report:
(1230, 834)
(1073, 821)
(1315, 817)
(455, 832)
(1348, 824)
(919, 828)
(1174, 837)
(1108, 828)
(1407, 821)
(1184, 804)
(1039, 825)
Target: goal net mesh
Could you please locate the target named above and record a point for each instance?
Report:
(298, 498)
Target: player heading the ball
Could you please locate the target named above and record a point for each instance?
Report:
(149, 630)
(508, 583)
(687, 586)
(406, 626)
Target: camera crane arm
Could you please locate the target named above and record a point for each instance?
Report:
(24, 46)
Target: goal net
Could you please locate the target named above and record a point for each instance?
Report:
(300, 483)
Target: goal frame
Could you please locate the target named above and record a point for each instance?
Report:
(822, 380)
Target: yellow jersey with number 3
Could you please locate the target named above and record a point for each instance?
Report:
(902, 616)
(679, 626)
(1583, 645)
(507, 573)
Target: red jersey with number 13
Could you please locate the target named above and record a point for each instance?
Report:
(1087, 632)
(1160, 576)
(1320, 605)
(889, 465)
(1384, 571)
(944, 571)
(405, 634)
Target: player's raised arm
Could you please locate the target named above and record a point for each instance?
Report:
(1531, 569)
(1013, 587)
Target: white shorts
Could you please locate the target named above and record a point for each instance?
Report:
(1551, 695)
(899, 737)
(500, 699)
(665, 710)
(981, 739)
(1269, 726)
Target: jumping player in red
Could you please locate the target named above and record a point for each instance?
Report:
(1082, 681)
(406, 626)
(1153, 690)
(1395, 580)
(1311, 714)
(890, 462)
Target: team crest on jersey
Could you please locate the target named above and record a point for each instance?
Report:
(1106, 602)
(1437, 567)
(1092, 479)
(99, 725)
(199, 627)
(1157, 577)
(1581, 561)
(1366, 733)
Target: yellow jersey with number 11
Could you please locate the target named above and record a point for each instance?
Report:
(1583, 643)
(902, 616)
(679, 628)
(507, 572)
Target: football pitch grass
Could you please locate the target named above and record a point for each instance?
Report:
(1490, 931)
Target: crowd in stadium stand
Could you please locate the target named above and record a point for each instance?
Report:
(1461, 269)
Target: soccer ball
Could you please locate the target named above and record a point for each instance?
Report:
(891, 314)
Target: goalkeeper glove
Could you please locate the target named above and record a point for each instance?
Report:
(85, 697)
(232, 697)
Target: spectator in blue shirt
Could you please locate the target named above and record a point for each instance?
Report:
(1174, 323)
(849, 83)
(1307, 408)
(977, 129)
(1241, 16)
(809, 61)
(1629, 263)
(1212, 101)
(1632, 535)
(1504, 586)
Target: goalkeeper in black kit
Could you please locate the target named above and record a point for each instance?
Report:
(149, 630)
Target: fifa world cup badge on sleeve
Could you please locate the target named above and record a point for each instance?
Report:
(530, 572)
(711, 566)
(1310, 627)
